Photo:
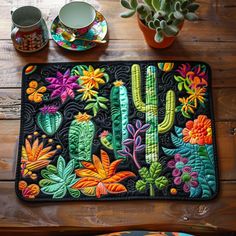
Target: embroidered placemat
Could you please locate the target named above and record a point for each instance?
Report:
(117, 130)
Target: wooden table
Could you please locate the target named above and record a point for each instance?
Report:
(211, 39)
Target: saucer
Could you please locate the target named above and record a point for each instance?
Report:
(98, 31)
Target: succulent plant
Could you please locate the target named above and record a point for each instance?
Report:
(164, 16)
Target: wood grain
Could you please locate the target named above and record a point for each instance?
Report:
(220, 56)
(204, 216)
(10, 100)
(226, 143)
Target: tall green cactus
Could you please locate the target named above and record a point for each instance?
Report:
(81, 135)
(151, 109)
(119, 115)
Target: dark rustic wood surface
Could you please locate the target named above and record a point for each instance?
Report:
(211, 39)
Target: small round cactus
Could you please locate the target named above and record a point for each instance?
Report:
(164, 16)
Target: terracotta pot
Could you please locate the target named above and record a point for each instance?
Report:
(150, 33)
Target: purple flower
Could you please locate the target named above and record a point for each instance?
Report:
(63, 85)
(49, 109)
(188, 177)
(177, 164)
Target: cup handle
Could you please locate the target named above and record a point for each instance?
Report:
(13, 9)
(13, 35)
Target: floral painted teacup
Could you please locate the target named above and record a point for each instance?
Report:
(77, 17)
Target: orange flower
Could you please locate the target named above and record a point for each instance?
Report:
(34, 157)
(35, 93)
(197, 95)
(100, 178)
(186, 105)
(92, 78)
(87, 92)
(30, 191)
(198, 131)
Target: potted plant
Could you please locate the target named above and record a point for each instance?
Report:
(161, 20)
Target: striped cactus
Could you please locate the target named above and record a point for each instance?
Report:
(81, 135)
(151, 109)
(119, 116)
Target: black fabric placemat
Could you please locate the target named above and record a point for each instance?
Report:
(117, 131)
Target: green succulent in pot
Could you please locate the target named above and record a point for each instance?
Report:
(164, 17)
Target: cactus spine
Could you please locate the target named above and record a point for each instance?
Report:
(81, 135)
(119, 116)
(151, 109)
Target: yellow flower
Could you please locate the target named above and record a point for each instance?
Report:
(197, 95)
(88, 92)
(92, 77)
(83, 117)
(186, 105)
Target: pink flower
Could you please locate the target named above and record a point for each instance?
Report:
(49, 109)
(188, 177)
(177, 164)
(63, 85)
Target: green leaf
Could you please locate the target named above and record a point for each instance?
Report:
(51, 189)
(56, 178)
(178, 78)
(102, 69)
(106, 76)
(69, 169)
(178, 15)
(185, 114)
(45, 173)
(134, 4)
(125, 4)
(144, 173)
(95, 110)
(140, 185)
(149, 3)
(103, 99)
(191, 16)
(60, 166)
(46, 182)
(159, 37)
(178, 108)
(171, 30)
(102, 105)
(75, 193)
(156, 4)
(89, 106)
(161, 182)
(70, 179)
(127, 14)
(52, 169)
(180, 86)
(155, 170)
(60, 193)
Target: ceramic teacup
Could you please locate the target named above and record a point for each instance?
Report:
(77, 17)
(29, 30)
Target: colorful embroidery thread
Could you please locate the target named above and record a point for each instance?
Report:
(117, 130)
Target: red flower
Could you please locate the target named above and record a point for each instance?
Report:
(198, 131)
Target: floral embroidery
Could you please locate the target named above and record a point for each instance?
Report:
(187, 177)
(100, 177)
(63, 85)
(35, 92)
(177, 164)
(29, 192)
(92, 78)
(132, 115)
(35, 156)
(198, 131)
(193, 81)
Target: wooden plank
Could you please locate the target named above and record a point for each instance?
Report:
(226, 143)
(120, 215)
(224, 110)
(215, 24)
(221, 57)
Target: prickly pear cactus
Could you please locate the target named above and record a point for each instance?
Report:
(81, 134)
(49, 119)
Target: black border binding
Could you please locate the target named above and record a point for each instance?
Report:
(18, 193)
